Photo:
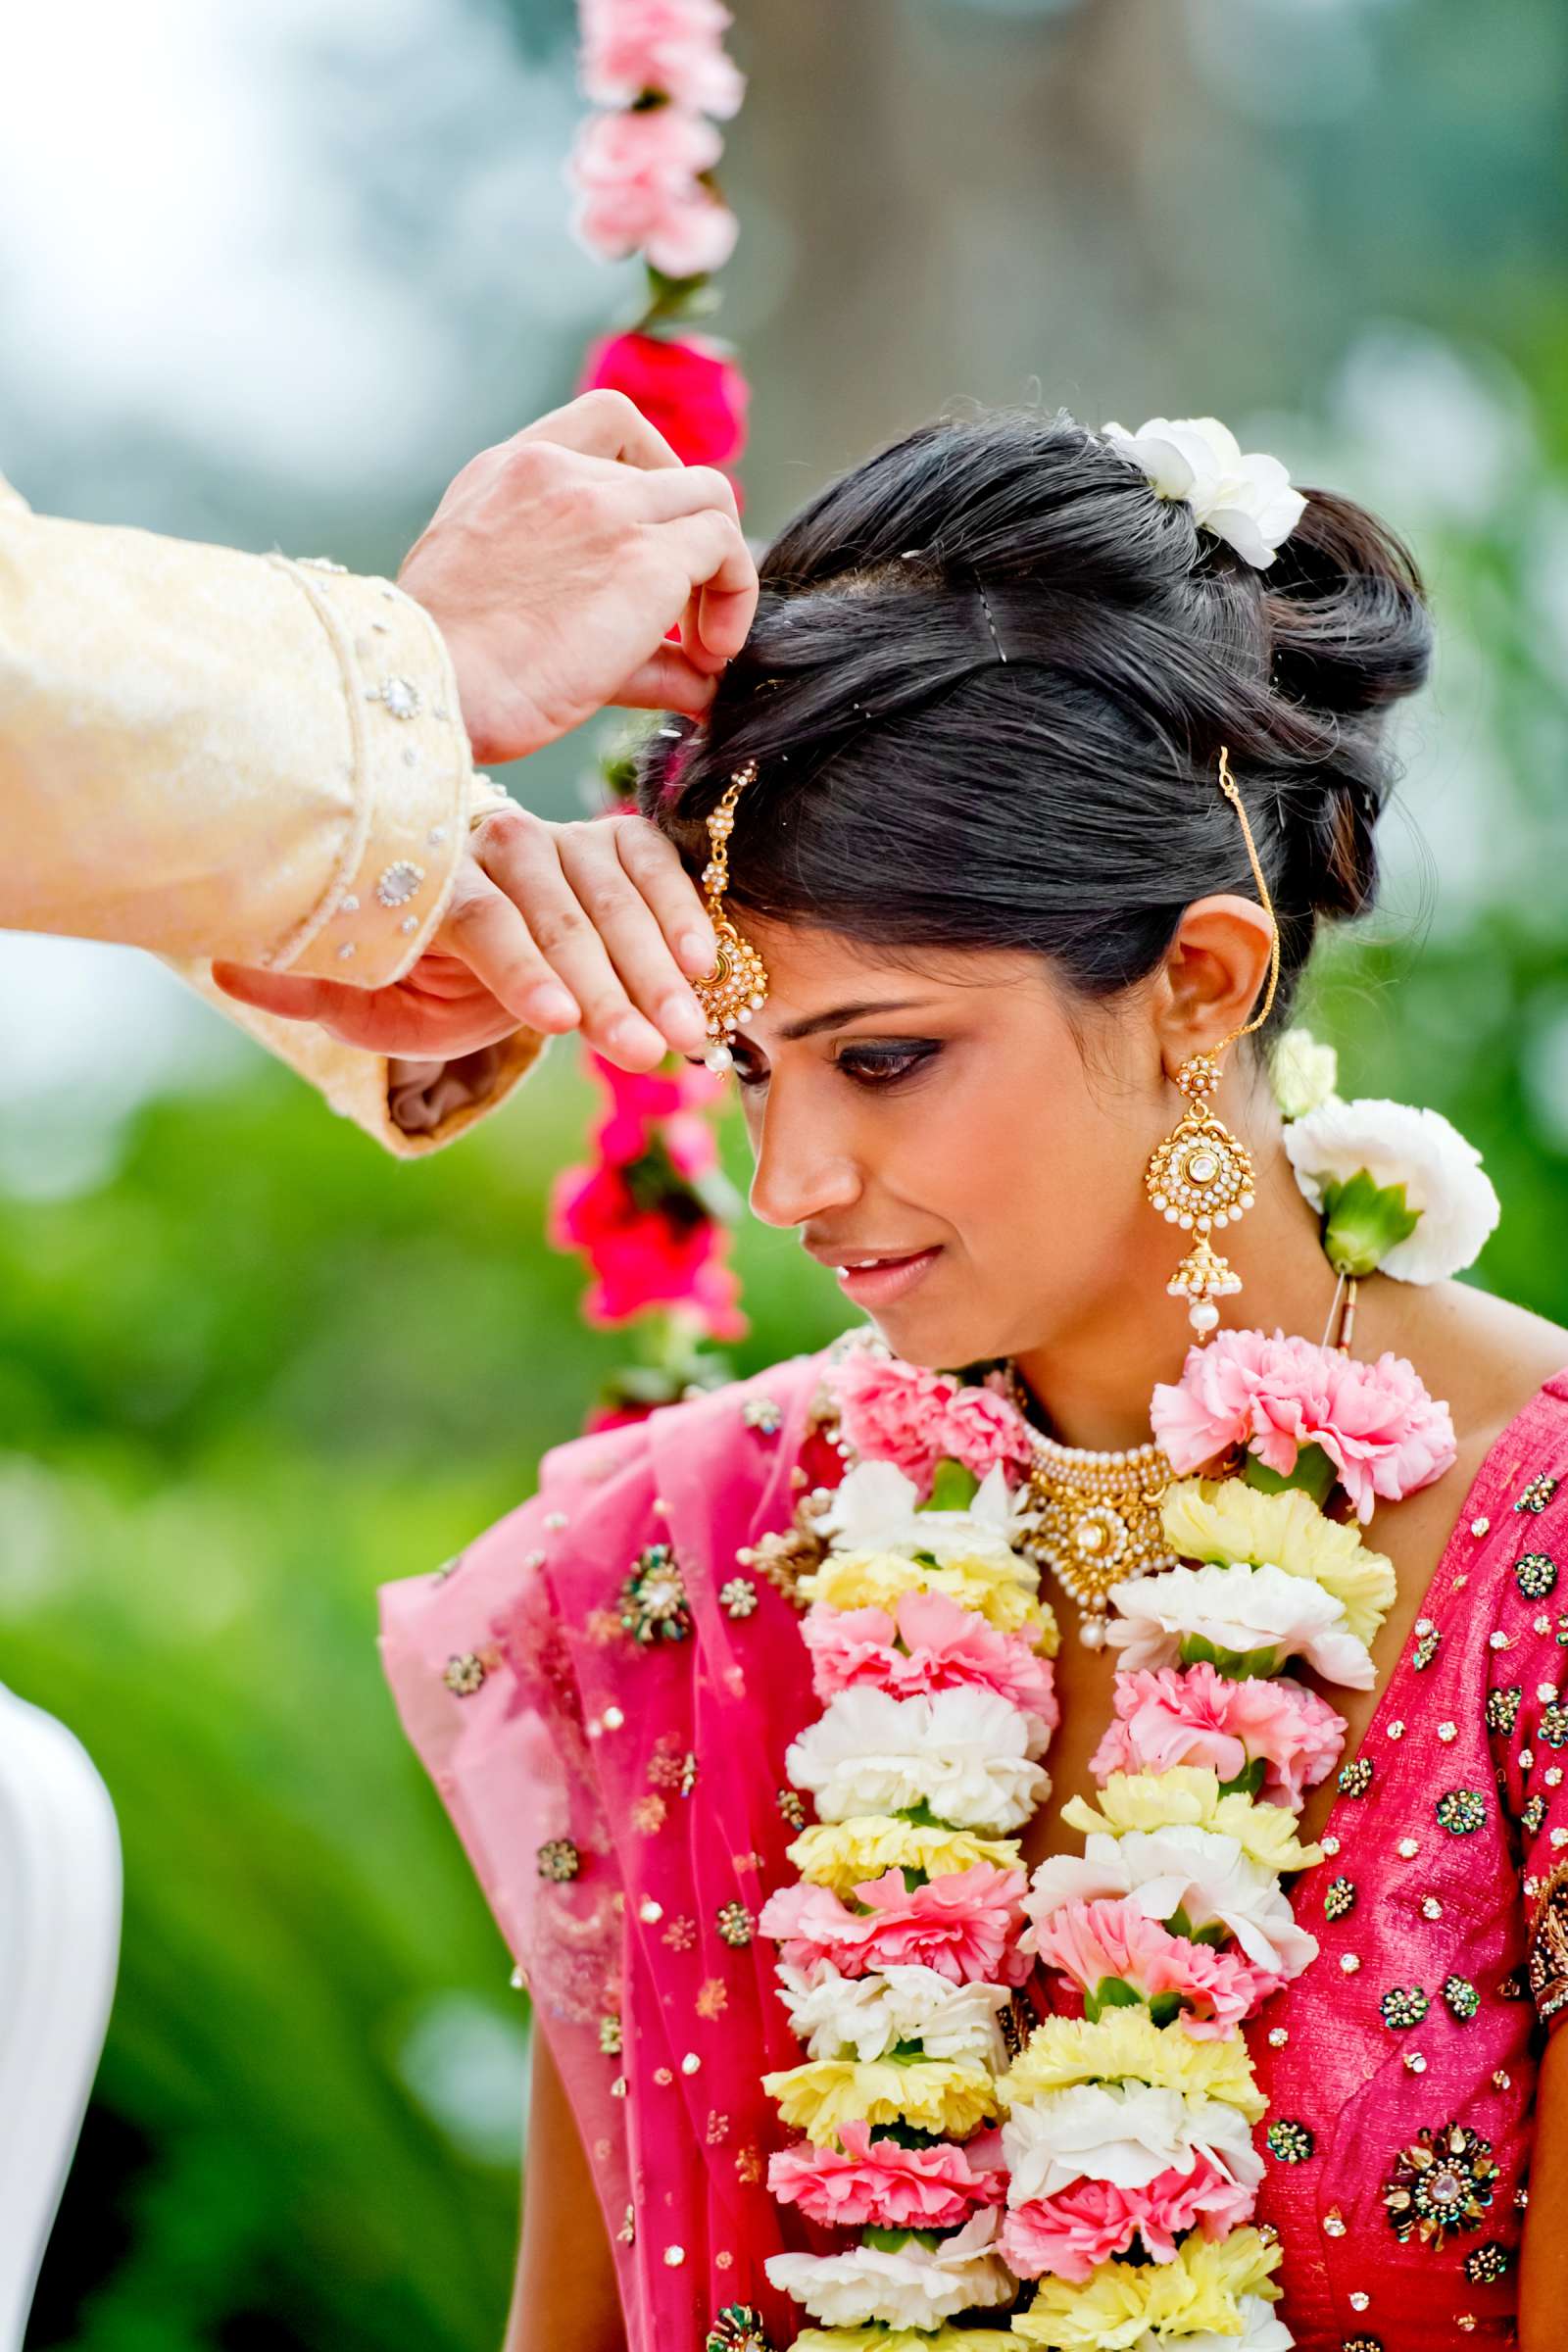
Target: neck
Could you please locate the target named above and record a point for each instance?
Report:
(1094, 1380)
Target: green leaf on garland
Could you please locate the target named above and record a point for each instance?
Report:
(1314, 1474)
(1112, 1992)
(1179, 1923)
(889, 2241)
(1247, 1783)
(1240, 1665)
(1165, 2008)
(952, 1488)
(1362, 1221)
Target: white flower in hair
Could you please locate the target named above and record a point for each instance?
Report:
(964, 1752)
(1245, 501)
(1236, 1609)
(1445, 1184)
(911, 2285)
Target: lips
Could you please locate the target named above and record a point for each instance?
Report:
(876, 1282)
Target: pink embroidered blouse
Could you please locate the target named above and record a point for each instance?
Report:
(603, 1694)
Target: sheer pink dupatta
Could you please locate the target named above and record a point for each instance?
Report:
(620, 1802)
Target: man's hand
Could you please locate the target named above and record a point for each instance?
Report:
(557, 564)
(550, 927)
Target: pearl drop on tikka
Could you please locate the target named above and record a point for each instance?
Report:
(1204, 1314)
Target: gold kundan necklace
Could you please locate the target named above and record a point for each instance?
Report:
(1097, 1517)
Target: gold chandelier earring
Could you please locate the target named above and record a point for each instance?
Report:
(737, 985)
(1200, 1178)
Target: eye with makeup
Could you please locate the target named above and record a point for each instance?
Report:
(876, 1066)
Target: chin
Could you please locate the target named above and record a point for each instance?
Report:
(938, 1340)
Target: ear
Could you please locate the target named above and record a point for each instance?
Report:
(1214, 976)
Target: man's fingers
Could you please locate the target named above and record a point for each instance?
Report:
(644, 961)
(602, 425)
(712, 552)
(296, 999)
(483, 926)
(667, 682)
(524, 858)
(664, 497)
(653, 864)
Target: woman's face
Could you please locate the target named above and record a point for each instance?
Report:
(937, 1128)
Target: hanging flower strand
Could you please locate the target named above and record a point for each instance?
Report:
(642, 171)
(649, 1214)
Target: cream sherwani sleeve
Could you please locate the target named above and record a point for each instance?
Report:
(209, 753)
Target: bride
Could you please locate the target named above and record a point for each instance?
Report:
(1044, 1823)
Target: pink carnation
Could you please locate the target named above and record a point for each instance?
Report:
(963, 1925)
(640, 189)
(1198, 1716)
(1069, 2235)
(877, 2182)
(897, 1412)
(1376, 1422)
(1091, 1940)
(945, 1647)
(676, 46)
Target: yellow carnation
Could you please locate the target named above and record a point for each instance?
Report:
(1227, 1521)
(934, 2094)
(1187, 1795)
(946, 2338)
(1125, 2045)
(997, 1590)
(840, 1853)
(1117, 2305)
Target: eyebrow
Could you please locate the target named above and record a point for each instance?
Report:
(842, 1014)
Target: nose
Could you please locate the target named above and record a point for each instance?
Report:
(802, 1171)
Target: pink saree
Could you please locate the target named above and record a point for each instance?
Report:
(651, 1771)
(618, 1793)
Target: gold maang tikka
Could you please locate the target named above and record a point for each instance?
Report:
(737, 985)
(1200, 1178)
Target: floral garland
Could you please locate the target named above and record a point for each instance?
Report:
(1124, 2176)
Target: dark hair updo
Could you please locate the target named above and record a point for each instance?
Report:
(914, 790)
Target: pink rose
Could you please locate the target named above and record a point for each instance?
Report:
(674, 46)
(1376, 1422)
(1069, 2234)
(1197, 1716)
(686, 387)
(877, 2182)
(1112, 1938)
(639, 185)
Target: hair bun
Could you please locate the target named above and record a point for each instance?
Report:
(1348, 628)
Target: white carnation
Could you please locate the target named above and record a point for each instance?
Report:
(1246, 501)
(1304, 1073)
(871, 2015)
(962, 1752)
(912, 2285)
(1237, 1607)
(1261, 2331)
(877, 1509)
(1124, 2133)
(1443, 1180)
(1181, 1868)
